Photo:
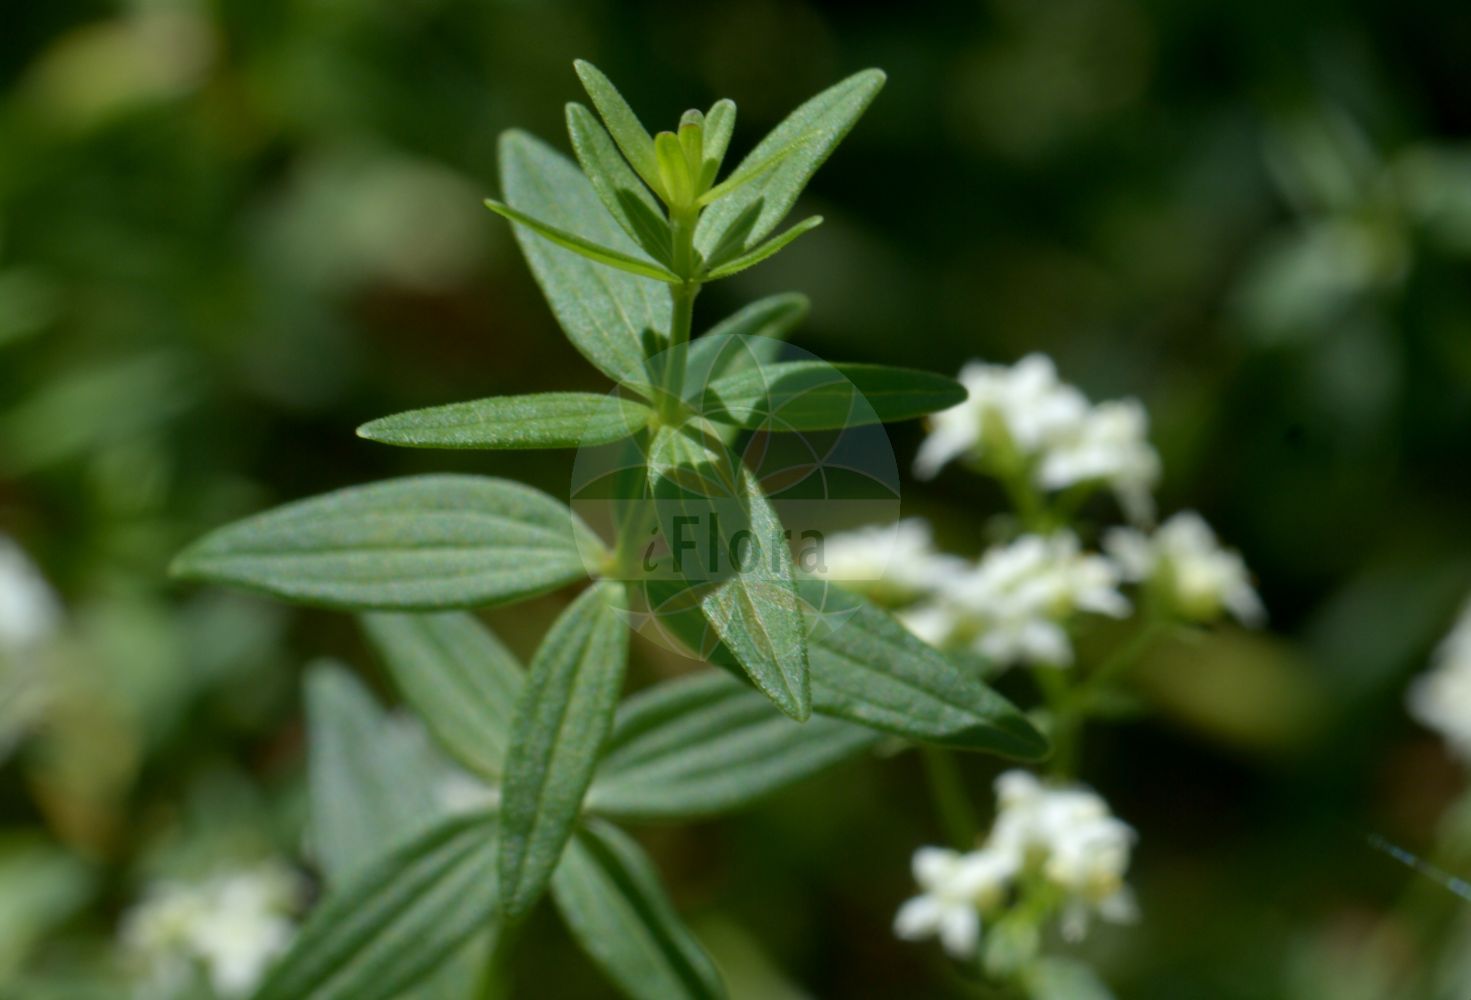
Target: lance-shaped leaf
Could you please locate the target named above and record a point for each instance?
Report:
(748, 171)
(372, 779)
(397, 920)
(419, 543)
(719, 124)
(814, 395)
(708, 743)
(545, 420)
(724, 537)
(458, 677)
(624, 195)
(605, 313)
(562, 722)
(627, 131)
(595, 252)
(868, 668)
(743, 340)
(814, 129)
(719, 267)
(609, 895)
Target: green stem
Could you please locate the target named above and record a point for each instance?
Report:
(1056, 686)
(682, 232)
(496, 980)
(1126, 655)
(952, 806)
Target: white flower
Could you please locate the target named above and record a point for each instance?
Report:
(1441, 699)
(233, 925)
(1014, 604)
(1031, 424)
(1198, 577)
(30, 614)
(1109, 445)
(1070, 835)
(955, 890)
(893, 561)
(1022, 408)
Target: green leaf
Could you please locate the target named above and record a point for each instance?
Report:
(674, 169)
(708, 743)
(421, 543)
(459, 679)
(744, 340)
(372, 780)
(814, 129)
(749, 171)
(587, 248)
(721, 268)
(719, 124)
(814, 395)
(396, 921)
(869, 669)
(726, 540)
(609, 895)
(562, 722)
(605, 313)
(756, 612)
(627, 131)
(545, 420)
(624, 195)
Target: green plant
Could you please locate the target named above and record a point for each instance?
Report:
(621, 249)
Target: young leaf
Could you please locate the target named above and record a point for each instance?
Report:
(627, 131)
(815, 129)
(587, 248)
(562, 722)
(724, 269)
(756, 612)
(545, 420)
(719, 124)
(458, 677)
(605, 313)
(708, 743)
(674, 170)
(610, 897)
(749, 171)
(814, 395)
(372, 780)
(622, 192)
(397, 920)
(868, 668)
(422, 543)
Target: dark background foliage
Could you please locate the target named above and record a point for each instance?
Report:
(232, 231)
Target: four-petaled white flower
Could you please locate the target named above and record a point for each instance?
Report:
(1066, 835)
(1441, 698)
(233, 926)
(1014, 604)
(955, 890)
(1198, 578)
(1023, 421)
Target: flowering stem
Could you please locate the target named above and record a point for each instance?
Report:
(1126, 655)
(947, 791)
(1057, 689)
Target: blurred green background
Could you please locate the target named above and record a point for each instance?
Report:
(232, 231)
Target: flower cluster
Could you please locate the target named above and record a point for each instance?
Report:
(1023, 421)
(1441, 699)
(1013, 605)
(231, 926)
(1057, 846)
(1187, 570)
